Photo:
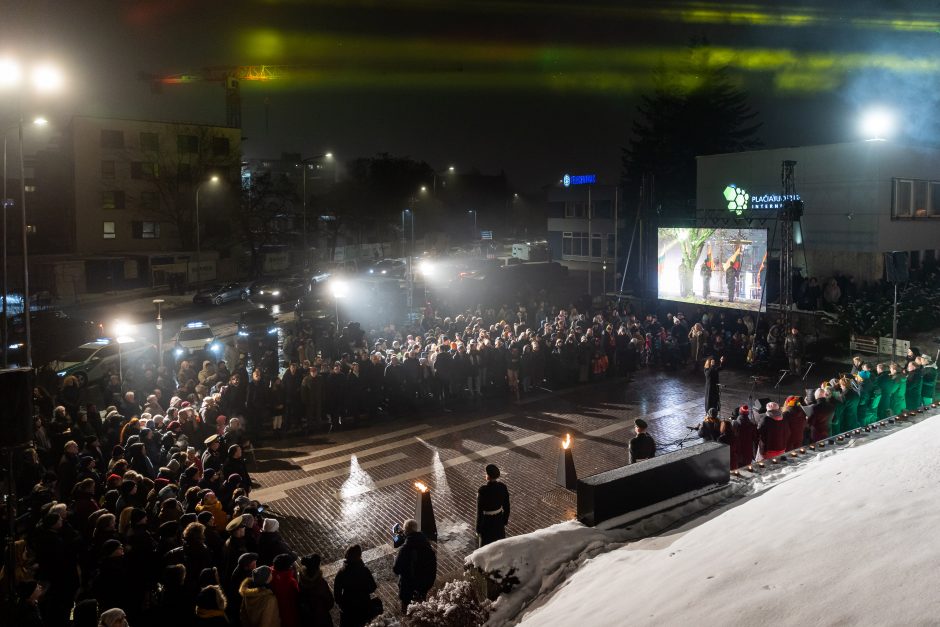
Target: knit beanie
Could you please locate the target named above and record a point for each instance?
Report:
(261, 575)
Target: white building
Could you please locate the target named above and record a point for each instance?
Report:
(861, 199)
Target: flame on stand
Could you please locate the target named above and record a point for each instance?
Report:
(566, 443)
(421, 487)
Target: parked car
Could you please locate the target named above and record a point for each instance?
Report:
(92, 362)
(221, 293)
(388, 268)
(256, 328)
(273, 291)
(50, 330)
(316, 306)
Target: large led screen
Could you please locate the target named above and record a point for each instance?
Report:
(724, 267)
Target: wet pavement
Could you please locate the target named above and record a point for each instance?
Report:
(349, 487)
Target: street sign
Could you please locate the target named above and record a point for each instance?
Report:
(486, 234)
(884, 346)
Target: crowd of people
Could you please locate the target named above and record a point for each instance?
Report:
(142, 511)
(856, 399)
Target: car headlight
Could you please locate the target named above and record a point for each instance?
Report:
(215, 347)
(384, 271)
(272, 330)
(13, 347)
(276, 293)
(371, 271)
(261, 291)
(243, 333)
(62, 373)
(178, 351)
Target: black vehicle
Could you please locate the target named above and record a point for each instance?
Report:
(257, 328)
(50, 331)
(273, 291)
(316, 307)
(221, 293)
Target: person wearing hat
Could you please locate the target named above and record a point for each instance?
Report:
(259, 605)
(773, 433)
(642, 445)
(286, 591)
(353, 587)
(235, 464)
(212, 458)
(244, 565)
(929, 381)
(415, 565)
(114, 617)
(210, 607)
(270, 543)
(316, 598)
(492, 507)
(112, 585)
(210, 504)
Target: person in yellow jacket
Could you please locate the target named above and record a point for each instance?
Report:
(259, 605)
(211, 503)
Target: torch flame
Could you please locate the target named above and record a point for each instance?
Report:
(421, 487)
(566, 443)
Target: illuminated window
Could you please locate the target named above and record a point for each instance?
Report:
(108, 230)
(29, 188)
(150, 141)
(112, 139)
(31, 229)
(146, 230)
(112, 199)
(107, 170)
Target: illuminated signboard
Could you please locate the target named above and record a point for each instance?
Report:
(578, 179)
(739, 200)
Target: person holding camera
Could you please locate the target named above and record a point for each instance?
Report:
(416, 566)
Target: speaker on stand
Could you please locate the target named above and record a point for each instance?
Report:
(16, 433)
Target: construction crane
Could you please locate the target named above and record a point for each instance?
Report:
(230, 77)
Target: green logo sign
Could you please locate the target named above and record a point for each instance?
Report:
(737, 198)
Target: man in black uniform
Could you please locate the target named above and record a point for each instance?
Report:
(642, 446)
(492, 507)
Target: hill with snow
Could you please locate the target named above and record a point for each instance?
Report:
(850, 538)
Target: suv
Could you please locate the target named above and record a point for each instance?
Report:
(316, 306)
(51, 330)
(256, 327)
(193, 337)
(273, 291)
(92, 362)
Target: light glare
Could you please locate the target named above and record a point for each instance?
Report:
(877, 124)
(47, 78)
(10, 73)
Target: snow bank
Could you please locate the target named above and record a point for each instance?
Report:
(539, 560)
(849, 539)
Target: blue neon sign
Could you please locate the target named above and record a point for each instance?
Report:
(578, 179)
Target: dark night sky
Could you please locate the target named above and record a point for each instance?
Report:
(533, 88)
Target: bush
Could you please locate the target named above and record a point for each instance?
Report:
(457, 604)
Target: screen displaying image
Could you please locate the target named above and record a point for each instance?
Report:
(724, 267)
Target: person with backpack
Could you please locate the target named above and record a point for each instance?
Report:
(416, 566)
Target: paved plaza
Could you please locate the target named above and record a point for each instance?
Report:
(347, 487)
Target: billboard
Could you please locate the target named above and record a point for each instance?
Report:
(723, 267)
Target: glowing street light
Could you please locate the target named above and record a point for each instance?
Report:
(424, 188)
(47, 78)
(212, 179)
(877, 124)
(122, 331)
(339, 289)
(10, 72)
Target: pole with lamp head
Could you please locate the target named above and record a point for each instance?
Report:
(212, 179)
(158, 302)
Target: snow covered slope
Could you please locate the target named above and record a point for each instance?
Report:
(850, 539)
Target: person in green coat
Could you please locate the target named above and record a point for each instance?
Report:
(850, 402)
(865, 384)
(898, 400)
(886, 385)
(929, 384)
(915, 380)
(835, 396)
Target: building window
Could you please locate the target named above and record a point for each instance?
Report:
(107, 170)
(31, 229)
(916, 199)
(112, 199)
(29, 188)
(150, 201)
(150, 141)
(574, 244)
(187, 144)
(575, 209)
(112, 139)
(146, 230)
(145, 170)
(220, 147)
(108, 231)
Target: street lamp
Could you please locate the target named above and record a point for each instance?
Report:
(212, 179)
(303, 163)
(158, 302)
(877, 124)
(122, 331)
(476, 233)
(339, 289)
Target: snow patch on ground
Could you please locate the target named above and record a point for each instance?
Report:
(848, 538)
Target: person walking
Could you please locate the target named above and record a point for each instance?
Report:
(642, 446)
(492, 507)
(415, 565)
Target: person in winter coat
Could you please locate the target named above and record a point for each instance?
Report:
(259, 605)
(211, 503)
(194, 554)
(316, 598)
(818, 415)
(415, 565)
(286, 590)
(850, 402)
(795, 418)
(210, 608)
(235, 464)
(270, 543)
(710, 428)
(712, 391)
(929, 382)
(887, 386)
(247, 563)
(915, 380)
(353, 588)
(773, 433)
(745, 438)
(899, 394)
